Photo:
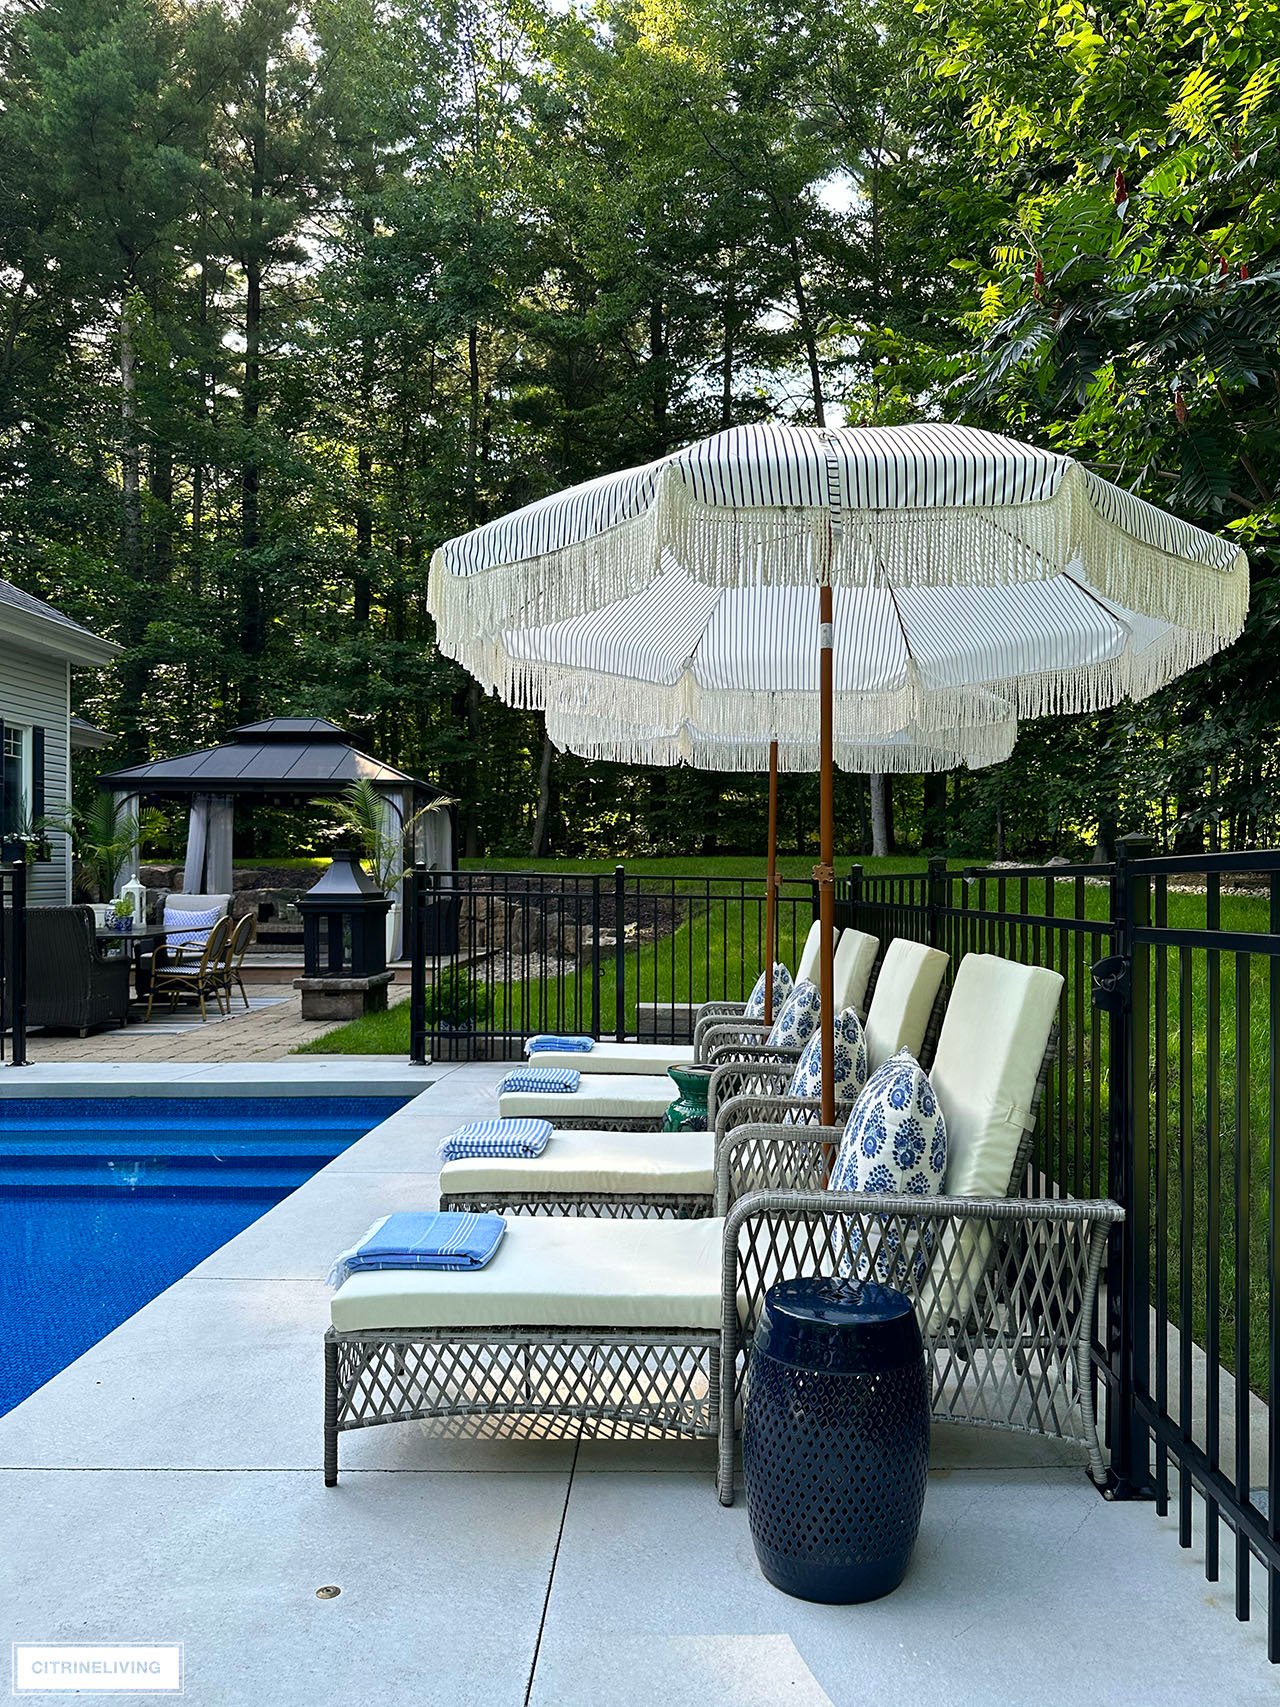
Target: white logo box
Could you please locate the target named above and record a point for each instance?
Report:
(67, 1668)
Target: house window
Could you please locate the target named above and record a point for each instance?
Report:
(15, 758)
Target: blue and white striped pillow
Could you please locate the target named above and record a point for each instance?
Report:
(182, 930)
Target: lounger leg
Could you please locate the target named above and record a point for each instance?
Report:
(723, 1364)
(330, 1414)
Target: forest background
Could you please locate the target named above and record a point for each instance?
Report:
(290, 292)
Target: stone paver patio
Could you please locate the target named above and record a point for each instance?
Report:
(167, 1486)
(262, 1035)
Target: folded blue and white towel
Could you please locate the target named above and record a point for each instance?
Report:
(526, 1137)
(541, 1079)
(547, 1041)
(422, 1238)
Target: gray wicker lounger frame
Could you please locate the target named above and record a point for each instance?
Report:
(1019, 1359)
(740, 1094)
(1018, 1356)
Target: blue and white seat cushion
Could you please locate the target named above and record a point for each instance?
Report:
(798, 1019)
(189, 930)
(895, 1142)
(782, 988)
(850, 1061)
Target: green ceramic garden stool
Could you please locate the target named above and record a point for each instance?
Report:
(688, 1113)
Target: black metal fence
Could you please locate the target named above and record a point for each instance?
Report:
(1166, 1096)
(500, 955)
(13, 964)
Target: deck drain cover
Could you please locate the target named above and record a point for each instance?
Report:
(329, 1592)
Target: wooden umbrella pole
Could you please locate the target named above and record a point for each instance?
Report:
(771, 894)
(824, 873)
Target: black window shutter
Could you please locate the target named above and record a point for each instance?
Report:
(4, 804)
(37, 774)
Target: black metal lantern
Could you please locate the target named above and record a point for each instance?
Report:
(344, 922)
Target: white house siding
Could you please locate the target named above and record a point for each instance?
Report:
(35, 690)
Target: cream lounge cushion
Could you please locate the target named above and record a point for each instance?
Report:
(568, 1271)
(989, 1054)
(609, 1057)
(666, 1163)
(910, 978)
(609, 1095)
(808, 967)
(854, 959)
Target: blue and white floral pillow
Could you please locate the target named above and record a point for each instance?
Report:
(782, 987)
(895, 1141)
(850, 1062)
(798, 1019)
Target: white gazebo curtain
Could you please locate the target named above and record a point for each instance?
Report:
(208, 869)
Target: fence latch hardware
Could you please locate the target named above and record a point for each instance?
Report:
(1111, 981)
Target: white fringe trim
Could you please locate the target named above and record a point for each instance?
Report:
(792, 715)
(910, 752)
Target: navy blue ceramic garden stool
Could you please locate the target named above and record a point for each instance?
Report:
(835, 1438)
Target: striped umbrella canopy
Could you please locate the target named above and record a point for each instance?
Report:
(952, 564)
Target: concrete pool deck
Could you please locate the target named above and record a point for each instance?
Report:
(167, 1487)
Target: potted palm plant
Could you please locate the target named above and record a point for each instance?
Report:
(362, 820)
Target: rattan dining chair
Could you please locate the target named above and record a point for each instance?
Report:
(209, 978)
(243, 935)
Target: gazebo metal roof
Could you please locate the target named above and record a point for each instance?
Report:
(282, 756)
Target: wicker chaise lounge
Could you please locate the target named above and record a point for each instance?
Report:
(637, 1102)
(712, 1013)
(718, 1037)
(599, 1327)
(609, 1173)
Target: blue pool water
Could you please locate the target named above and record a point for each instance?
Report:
(105, 1201)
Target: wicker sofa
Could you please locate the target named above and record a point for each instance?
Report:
(71, 983)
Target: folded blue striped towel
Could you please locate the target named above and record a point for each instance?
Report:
(541, 1079)
(527, 1137)
(546, 1041)
(422, 1238)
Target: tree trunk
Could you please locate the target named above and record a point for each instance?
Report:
(539, 846)
(934, 827)
(252, 616)
(133, 672)
(808, 333)
(881, 835)
(727, 354)
(658, 368)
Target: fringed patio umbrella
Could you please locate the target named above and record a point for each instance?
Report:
(954, 564)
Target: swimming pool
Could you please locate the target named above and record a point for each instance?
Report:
(105, 1201)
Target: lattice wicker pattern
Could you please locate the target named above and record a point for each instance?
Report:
(588, 1381)
(768, 1075)
(1016, 1355)
(679, 1206)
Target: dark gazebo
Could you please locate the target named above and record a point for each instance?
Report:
(276, 762)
